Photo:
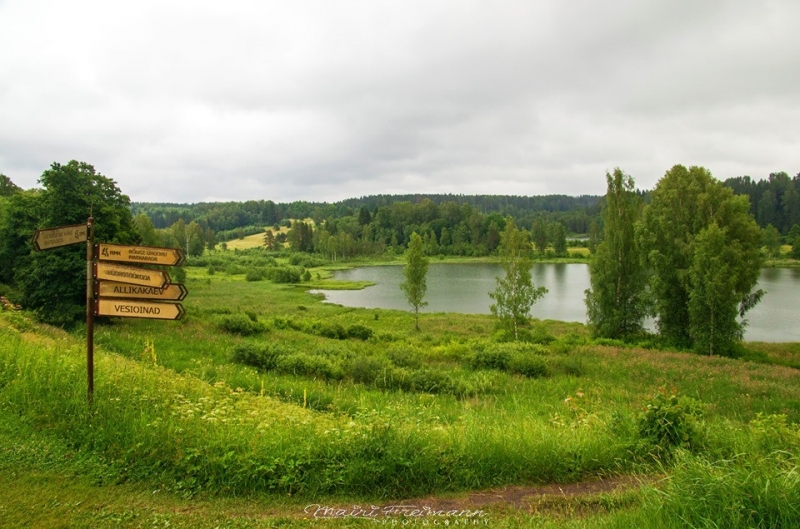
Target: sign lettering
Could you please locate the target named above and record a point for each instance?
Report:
(169, 292)
(124, 308)
(140, 254)
(55, 237)
(131, 275)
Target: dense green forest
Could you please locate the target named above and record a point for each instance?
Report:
(774, 201)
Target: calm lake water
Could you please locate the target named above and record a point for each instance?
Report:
(465, 288)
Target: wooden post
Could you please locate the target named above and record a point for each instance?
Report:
(90, 310)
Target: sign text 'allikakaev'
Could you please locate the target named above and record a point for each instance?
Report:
(169, 292)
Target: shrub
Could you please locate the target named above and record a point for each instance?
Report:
(394, 378)
(309, 365)
(499, 355)
(491, 358)
(528, 365)
(263, 356)
(239, 324)
(255, 274)
(334, 331)
(367, 369)
(235, 269)
(404, 356)
(539, 334)
(305, 260)
(359, 332)
(431, 381)
(283, 274)
(670, 421)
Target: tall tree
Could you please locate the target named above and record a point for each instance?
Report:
(54, 281)
(415, 272)
(146, 230)
(269, 239)
(794, 241)
(7, 187)
(594, 236)
(713, 299)
(196, 243)
(772, 241)
(684, 203)
(515, 293)
(19, 218)
(558, 236)
(616, 302)
(539, 234)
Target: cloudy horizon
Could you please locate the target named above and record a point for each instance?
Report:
(324, 101)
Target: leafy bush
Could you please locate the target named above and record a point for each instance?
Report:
(491, 358)
(359, 332)
(239, 324)
(264, 356)
(327, 330)
(431, 381)
(302, 364)
(286, 323)
(255, 274)
(528, 365)
(367, 369)
(404, 356)
(306, 260)
(670, 421)
(283, 274)
(499, 355)
(235, 269)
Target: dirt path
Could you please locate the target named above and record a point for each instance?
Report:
(573, 497)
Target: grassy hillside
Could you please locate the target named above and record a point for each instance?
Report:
(264, 400)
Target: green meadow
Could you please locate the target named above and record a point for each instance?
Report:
(264, 400)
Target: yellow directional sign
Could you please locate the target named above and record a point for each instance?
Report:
(170, 291)
(131, 275)
(140, 254)
(55, 237)
(125, 308)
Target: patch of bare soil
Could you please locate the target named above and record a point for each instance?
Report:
(573, 499)
(522, 498)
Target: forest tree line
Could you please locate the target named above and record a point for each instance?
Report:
(447, 224)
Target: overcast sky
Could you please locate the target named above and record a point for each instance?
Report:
(192, 101)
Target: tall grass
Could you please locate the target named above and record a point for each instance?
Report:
(151, 423)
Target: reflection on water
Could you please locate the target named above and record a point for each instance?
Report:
(465, 288)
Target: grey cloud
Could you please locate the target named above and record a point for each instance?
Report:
(191, 101)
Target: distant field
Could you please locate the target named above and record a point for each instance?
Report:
(253, 241)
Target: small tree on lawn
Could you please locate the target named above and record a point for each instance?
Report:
(515, 293)
(415, 272)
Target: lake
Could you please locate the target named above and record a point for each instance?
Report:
(465, 288)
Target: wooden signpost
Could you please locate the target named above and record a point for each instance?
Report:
(116, 290)
(131, 275)
(140, 254)
(169, 292)
(55, 237)
(126, 308)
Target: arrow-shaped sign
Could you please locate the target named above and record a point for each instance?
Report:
(124, 308)
(131, 275)
(140, 254)
(170, 291)
(55, 237)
